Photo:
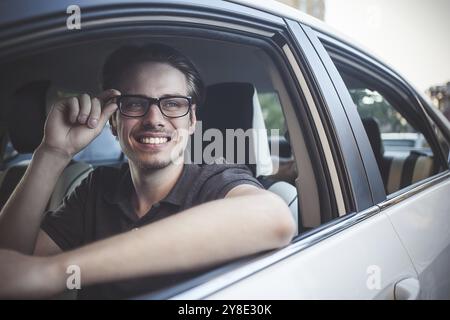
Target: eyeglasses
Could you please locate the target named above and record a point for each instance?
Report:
(138, 106)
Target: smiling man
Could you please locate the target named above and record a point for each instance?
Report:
(148, 224)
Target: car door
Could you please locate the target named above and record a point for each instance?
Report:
(418, 207)
(356, 255)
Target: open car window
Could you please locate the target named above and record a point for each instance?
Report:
(236, 68)
(399, 135)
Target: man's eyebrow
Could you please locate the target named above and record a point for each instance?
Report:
(172, 94)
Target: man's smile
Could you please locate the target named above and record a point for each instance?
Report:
(150, 138)
(147, 140)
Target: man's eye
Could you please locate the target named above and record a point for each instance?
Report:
(134, 105)
(171, 104)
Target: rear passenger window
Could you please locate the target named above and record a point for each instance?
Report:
(398, 137)
(402, 151)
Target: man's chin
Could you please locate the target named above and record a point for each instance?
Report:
(153, 165)
(156, 161)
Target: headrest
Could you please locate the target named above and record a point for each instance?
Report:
(236, 106)
(26, 117)
(373, 132)
(223, 102)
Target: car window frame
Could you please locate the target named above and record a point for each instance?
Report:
(352, 173)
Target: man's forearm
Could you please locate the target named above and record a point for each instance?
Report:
(21, 216)
(201, 236)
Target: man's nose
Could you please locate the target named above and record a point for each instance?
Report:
(154, 116)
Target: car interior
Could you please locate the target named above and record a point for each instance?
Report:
(397, 170)
(32, 83)
(25, 125)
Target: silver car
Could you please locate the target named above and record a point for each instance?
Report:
(372, 223)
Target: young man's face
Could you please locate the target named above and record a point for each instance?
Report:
(153, 141)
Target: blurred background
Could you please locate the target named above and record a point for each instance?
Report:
(410, 35)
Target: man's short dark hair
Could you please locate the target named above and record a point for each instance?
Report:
(125, 57)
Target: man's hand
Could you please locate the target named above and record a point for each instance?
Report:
(74, 122)
(23, 276)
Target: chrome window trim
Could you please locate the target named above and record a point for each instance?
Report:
(412, 190)
(156, 18)
(303, 242)
(182, 19)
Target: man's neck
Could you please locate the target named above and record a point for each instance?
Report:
(152, 186)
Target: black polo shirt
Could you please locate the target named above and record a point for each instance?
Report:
(100, 207)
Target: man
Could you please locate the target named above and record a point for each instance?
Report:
(111, 227)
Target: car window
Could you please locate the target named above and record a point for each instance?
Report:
(395, 133)
(283, 161)
(284, 167)
(9, 153)
(272, 112)
(398, 137)
(11, 156)
(103, 149)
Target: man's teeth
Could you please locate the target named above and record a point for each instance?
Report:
(147, 140)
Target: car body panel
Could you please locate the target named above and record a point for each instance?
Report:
(422, 222)
(341, 266)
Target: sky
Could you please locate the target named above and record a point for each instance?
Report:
(413, 36)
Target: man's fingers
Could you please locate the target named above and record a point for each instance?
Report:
(85, 108)
(74, 109)
(91, 112)
(96, 110)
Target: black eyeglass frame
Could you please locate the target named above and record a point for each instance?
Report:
(151, 101)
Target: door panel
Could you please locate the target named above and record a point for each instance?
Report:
(344, 266)
(423, 224)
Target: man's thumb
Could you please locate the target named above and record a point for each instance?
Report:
(107, 112)
(109, 106)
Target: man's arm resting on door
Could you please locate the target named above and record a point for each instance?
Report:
(248, 220)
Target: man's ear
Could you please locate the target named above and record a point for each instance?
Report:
(113, 124)
(192, 120)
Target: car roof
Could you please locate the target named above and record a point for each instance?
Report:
(14, 12)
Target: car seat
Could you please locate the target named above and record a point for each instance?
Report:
(397, 171)
(236, 106)
(26, 119)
